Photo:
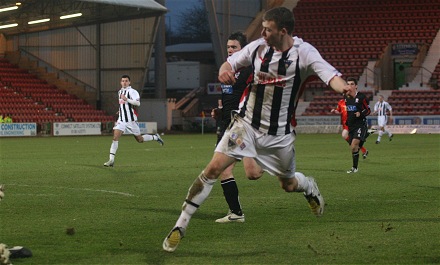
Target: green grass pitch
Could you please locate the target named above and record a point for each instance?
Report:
(387, 213)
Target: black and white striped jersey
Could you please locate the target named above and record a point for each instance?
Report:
(279, 78)
(127, 111)
(382, 107)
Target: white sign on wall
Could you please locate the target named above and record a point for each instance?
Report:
(148, 127)
(76, 128)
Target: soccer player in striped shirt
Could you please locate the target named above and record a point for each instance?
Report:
(380, 108)
(262, 132)
(127, 119)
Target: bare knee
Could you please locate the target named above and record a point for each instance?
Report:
(354, 148)
(217, 165)
(254, 174)
(252, 170)
(253, 177)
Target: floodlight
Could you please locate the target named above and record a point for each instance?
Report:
(9, 8)
(71, 16)
(39, 21)
(8, 26)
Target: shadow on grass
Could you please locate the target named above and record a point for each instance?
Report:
(176, 212)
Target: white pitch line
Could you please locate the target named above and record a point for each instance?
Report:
(83, 189)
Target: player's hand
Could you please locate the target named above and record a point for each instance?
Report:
(124, 98)
(227, 77)
(215, 113)
(345, 90)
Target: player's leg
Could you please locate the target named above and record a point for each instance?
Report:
(309, 187)
(354, 147)
(364, 152)
(117, 132)
(390, 135)
(230, 191)
(226, 153)
(229, 185)
(281, 162)
(344, 134)
(149, 137)
(197, 194)
(133, 127)
(277, 157)
(381, 121)
(252, 170)
(356, 134)
(379, 135)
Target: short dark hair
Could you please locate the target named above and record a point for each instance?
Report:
(352, 79)
(282, 17)
(126, 76)
(240, 37)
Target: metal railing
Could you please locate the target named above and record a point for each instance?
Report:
(375, 73)
(60, 73)
(416, 73)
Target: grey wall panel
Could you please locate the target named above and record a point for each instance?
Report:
(124, 56)
(130, 31)
(111, 78)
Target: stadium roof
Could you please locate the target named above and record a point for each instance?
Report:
(93, 12)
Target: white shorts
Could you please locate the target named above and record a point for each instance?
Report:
(131, 127)
(382, 120)
(275, 154)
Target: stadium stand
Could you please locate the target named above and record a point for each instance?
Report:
(321, 105)
(415, 102)
(349, 34)
(26, 98)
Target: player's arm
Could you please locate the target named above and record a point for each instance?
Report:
(391, 115)
(375, 109)
(336, 111)
(134, 102)
(131, 101)
(365, 108)
(226, 75)
(338, 84)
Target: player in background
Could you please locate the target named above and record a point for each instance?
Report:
(127, 119)
(342, 109)
(231, 95)
(380, 108)
(357, 111)
(262, 133)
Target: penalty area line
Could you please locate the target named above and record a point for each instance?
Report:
(81, 189)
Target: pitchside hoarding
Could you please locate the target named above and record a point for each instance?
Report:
(18, 129)
(76, 128)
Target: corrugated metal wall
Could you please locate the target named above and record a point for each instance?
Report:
(125, 48)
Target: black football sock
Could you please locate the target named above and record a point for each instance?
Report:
(230, 191)
(355, 159)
